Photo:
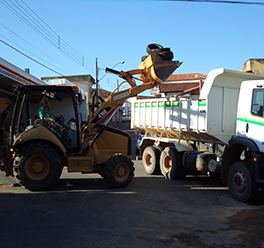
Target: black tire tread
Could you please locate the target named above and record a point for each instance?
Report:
(152, 47)
(155, 153)
(252, 189)
(55, 165)
(177, 171)
(109, 167)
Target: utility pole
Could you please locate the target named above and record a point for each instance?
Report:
(96, 80)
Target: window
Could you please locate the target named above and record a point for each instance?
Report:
(257, 103)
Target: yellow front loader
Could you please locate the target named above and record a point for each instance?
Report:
(39, 148)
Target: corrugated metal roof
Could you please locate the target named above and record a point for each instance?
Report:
(187, 76)
(177, 87)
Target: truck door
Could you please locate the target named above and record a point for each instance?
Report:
(254, 122)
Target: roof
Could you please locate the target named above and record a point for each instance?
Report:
(11, 75)
(74, 79)
(102, 93)
(187, 76)
(177, 87)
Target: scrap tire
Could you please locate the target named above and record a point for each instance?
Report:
(118, 171)
(171, 164)
(241, 181)
(37, 166)
(152, 47)
(150, 159)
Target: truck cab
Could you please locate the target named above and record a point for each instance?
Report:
(250, 115)
(243, 158)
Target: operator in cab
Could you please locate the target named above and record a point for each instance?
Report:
(46, 111)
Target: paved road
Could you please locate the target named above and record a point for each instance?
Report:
(81, 211)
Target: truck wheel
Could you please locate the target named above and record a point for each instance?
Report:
(150, 159)
(37, 166)
(118, 171)
(171, 164)
(241, 181)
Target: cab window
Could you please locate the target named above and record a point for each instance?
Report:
(257, 102)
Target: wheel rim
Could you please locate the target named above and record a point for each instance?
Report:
(37, 167)
(148, 160)
(167, 163)
(239, 182)
(121, 172)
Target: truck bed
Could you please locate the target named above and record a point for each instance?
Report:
(209, 117)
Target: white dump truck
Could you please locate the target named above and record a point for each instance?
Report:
(218, 131)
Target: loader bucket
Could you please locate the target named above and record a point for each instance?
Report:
(156, 69)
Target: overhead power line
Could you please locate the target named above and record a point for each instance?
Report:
(219, 1)
(69, 70)
(30, 58)
(63, 44)
(27, 15)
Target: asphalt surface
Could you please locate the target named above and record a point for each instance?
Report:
(82, 211)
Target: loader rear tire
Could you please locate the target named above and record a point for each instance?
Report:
(171, 164)
(118, 171)
(150, 159)
(37, 166)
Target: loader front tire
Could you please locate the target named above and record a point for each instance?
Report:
(118, 171)
(37, 166)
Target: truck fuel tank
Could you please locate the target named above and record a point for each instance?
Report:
(197, 160)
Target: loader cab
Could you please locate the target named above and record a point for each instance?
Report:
(60, 119)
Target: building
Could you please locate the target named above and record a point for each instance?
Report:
(102, 95)
(181, 83)
(186, 78)
(254, 66)
(126, 108)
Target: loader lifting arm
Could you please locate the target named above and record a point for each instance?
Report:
(153, 71)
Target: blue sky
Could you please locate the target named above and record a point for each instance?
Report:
(204, 36)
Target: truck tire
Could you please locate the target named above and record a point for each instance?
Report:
(37, 166)
(151, 160)
(118, 171)
(241, 181)
(171, 164)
